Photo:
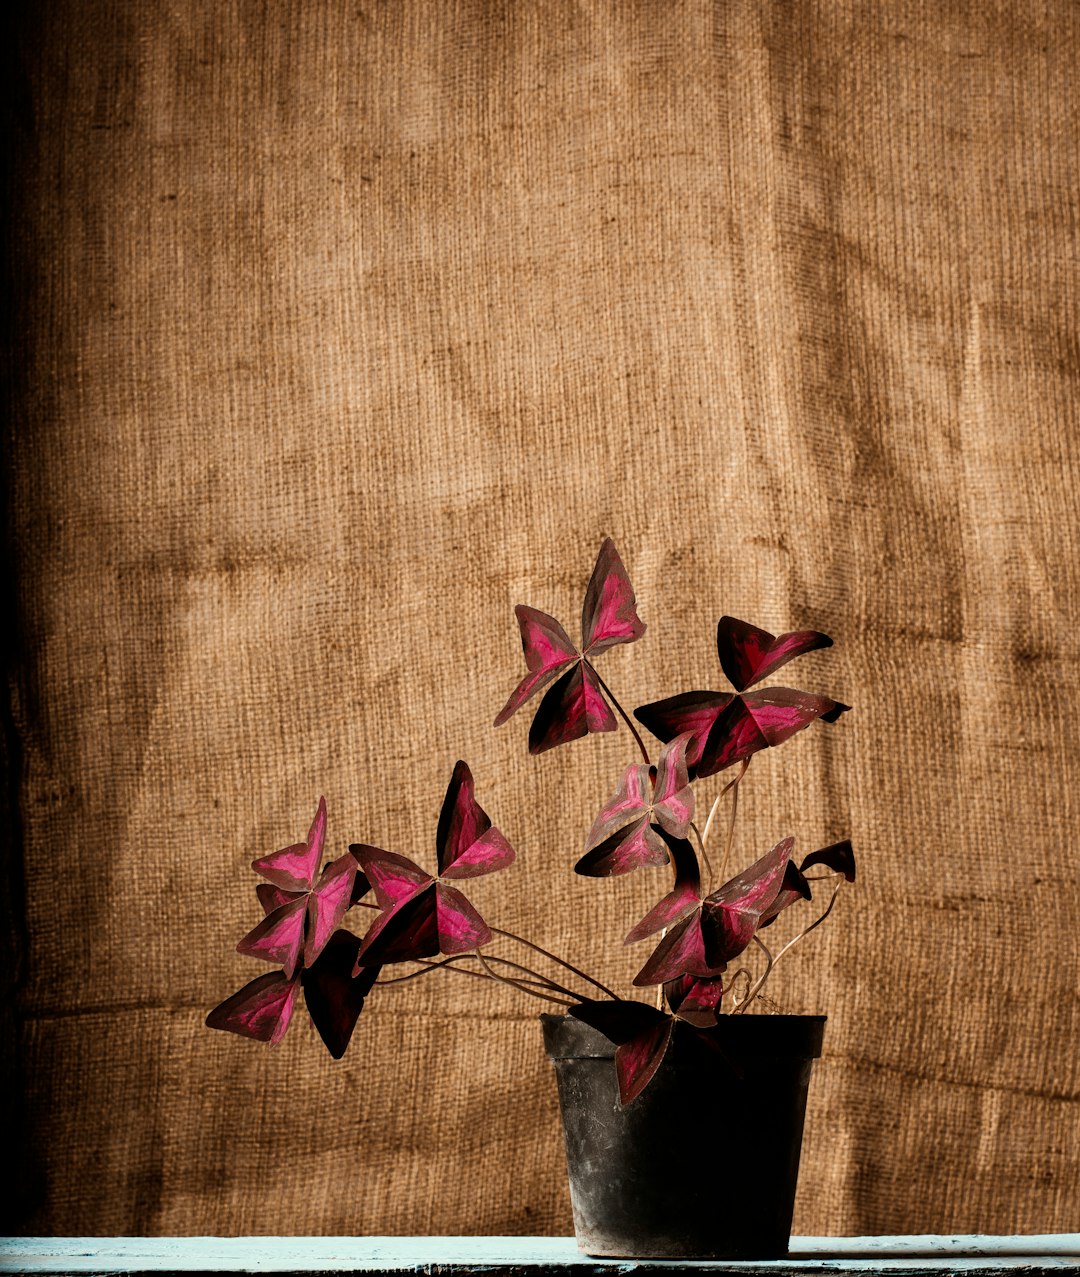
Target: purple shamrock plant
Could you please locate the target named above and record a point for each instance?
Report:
(709, 960)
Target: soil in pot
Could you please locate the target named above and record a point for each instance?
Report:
(704, 1163)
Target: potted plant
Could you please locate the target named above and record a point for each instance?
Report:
(683, 1103)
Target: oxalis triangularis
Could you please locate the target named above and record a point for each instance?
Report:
(701, 965)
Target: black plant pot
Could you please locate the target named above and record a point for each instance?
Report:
(703, 1164)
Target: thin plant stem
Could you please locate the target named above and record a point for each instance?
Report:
(712, 813)
(701, 847)
(752, 990)
(794, 941)
(427, 967)
(625, 717)
(497, 931)
(519, 984)
(730, 840)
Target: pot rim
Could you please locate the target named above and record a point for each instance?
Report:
(752, 1036)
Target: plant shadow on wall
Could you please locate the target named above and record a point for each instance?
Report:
(710, 960)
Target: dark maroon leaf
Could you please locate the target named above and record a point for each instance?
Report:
(334, 997)
(695, 999)
(839, 857)
(683, 951)
(261, 1010)
(466, 844)
(747, 654)
(758, 720)
(609, 614)
(270, 897)
(691, 712)
(328, 904)
(731, 914)
(547, 648)
(794, 887)
(408, 931)
(633, 847)
(641, 1035)
(574, 705)
(684, 895)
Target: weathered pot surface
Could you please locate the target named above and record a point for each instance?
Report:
(704, 1163)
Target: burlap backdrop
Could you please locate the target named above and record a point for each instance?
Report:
(339, 331)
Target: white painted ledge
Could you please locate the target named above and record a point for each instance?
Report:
(1053, 1253)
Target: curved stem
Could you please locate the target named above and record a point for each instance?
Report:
(754, 989)
(497, 931)
(734, 787)
(427, 967)
(625, 717)
(793, 941)
(701, 847)
(522, 985)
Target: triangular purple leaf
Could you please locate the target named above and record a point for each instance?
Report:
(466, 844)
(695, 999)
(690, 712)
(393, 878)
(684, 895)
(633, 847)
(261, 1010)
(731, 914)
(271, 897)
(294, 868)
(838, 856)
(794, 887)
(402, 934)
(748, 654)
(460, 927)
(328, 904)
(681, 952)
(641, 1034)
(757, 720)
(334, 997)
(547, 648)
(572, 707)
(609, 614)
(279, 937)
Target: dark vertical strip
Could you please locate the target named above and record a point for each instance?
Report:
(18, 52)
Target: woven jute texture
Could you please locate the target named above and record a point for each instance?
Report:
(340, 329)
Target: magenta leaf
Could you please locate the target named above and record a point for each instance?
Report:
(693, 713)
(684, 896)
(625, 833)
(466, 843)
(839, 857)
(681, 952)
(261, 1010)
(334, 998)
(279, 938)
(758, 720)
(574, 705)
(571, 708)
(547, 648)
(404, 933)
(747, 654)
(794, 887)
(460, 927)
(632, 847)
(293, 868)
(270, 897)
(732, 914)
(328, 904)
(393, 878)
(609, 614)
(695, 1000)
(641, 1035)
